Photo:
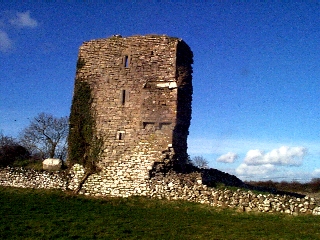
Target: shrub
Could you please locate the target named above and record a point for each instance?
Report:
(11, 154)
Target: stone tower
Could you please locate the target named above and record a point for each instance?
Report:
(141, 94)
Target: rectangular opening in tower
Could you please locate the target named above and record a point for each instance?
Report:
(165, 126)
(126, 61)
(123, 97)
(120, 135)
(148, 125)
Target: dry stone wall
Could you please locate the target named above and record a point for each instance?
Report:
(190, 187)
(28, 178)
(171, 186)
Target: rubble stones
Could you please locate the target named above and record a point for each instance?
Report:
(27, 178)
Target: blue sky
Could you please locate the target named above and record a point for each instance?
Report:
(256, 73)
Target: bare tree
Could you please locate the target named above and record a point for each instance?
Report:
(46, 135)
(200, 162)
(6, 140)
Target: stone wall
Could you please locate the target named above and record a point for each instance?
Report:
(190, 187)
(28, 178)
(171, 186)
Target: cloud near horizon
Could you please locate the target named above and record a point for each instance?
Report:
(256, 162)
(316, 173)
(250, 170)
(229, 157)
(284, 156)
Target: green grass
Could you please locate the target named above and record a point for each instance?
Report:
(42, 214)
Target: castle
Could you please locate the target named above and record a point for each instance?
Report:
(139, 103)
(141, 94)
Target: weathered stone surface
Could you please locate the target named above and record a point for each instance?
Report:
(52, 164)
(142, 91)
(27, 178)
(171, 185)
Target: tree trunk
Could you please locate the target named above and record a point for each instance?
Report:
(52, 150)
(85, 177)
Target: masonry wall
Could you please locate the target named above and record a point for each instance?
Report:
(28, 178)
(171, 186)
(142, 92)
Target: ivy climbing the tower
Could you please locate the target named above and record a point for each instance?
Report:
(85, 146)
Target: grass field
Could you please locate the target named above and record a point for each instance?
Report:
(43, 214)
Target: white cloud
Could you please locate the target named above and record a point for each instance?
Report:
(290, 156)
(251, 170)
(271, 172)
(240, 146)
(316, 173)
(5, 42)
(260, 165)
(281, 160)
(23, 19)
(199, 146)
(229, 157)
(7, 21)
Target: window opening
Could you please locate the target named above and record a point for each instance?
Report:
(163, 103)
(120, 135)
(126, 61)
(123, 97)
(164, 126)
(148, 125)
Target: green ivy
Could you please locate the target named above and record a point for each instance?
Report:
(84, 146)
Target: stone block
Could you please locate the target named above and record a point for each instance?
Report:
(52, 164)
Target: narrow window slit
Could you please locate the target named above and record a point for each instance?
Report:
(121, 135)
(126, 61)
(123, 97)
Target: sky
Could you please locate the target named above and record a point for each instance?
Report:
(255, 109)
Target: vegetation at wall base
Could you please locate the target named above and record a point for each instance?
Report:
(29, 164)
(44, 214)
